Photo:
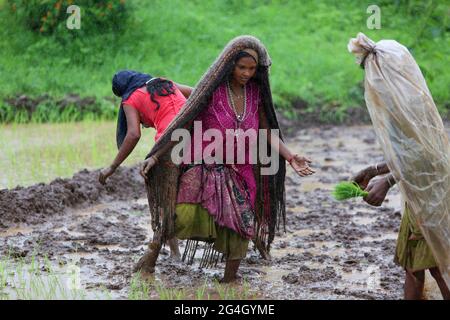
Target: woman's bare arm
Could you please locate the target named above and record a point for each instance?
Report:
(299, 163)
(274, 140)
(363, 177)
(132, 137)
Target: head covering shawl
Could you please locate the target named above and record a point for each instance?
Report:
(413, 138)
(124, 83)
(163, 177)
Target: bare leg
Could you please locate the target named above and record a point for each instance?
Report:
(414, 284)
(174, 250)
(148, 261)
(436, 274)
(231, 269)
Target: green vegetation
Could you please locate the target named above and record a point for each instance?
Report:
(38, 278)
(34, 153)
(141, 289)
(180, 39)
(346, 190)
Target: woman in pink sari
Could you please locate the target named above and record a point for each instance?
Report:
(216, 200)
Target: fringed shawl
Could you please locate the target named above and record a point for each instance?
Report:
(162, 184)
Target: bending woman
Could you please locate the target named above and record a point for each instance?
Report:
(218, 202)
(152, 102)
(412, 252)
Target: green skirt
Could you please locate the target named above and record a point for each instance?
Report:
(415, 254)
(193, 222)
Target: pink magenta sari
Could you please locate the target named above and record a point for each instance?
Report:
(226, 191)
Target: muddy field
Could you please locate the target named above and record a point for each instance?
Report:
(331, 250)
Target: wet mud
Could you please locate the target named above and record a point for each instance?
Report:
(330, 250)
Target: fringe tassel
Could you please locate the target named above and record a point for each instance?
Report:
(210, 256)
(189, 251)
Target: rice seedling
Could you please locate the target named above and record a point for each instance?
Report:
(347, 190)
(230, 292)
(139, 288)
(202, 291)
(37, 279)
(170, 293)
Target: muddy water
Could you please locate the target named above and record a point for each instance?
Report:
(330, 250)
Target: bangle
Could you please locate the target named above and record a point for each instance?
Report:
(291, 158)
(155, 158)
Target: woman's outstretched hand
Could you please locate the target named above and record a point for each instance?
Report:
(301, 166)
(105, 173)
(147, 165)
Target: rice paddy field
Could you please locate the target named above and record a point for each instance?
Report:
(40, 153)
(76, 239)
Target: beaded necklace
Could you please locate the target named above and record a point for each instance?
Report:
(239, 117)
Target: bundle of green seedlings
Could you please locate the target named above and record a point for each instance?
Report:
(346, 190)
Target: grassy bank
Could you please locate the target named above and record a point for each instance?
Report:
(180, 39)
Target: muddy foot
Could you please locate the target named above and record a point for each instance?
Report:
(175, 256)
(236, 279)
(146, 263)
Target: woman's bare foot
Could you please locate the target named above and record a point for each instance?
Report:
(436, 274)
(147, 262)
(174, 249)
(236, 279)
(414, 283)
(230, 273)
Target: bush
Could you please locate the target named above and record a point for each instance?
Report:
(50, 16)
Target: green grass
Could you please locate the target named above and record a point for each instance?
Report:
(33, 153)
(180, 39)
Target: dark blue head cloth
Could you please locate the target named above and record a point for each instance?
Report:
(124, 83)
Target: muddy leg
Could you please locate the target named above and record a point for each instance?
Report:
(174, 249)
(148, 261)
(414, 284)
(436, 274)
(231, 269)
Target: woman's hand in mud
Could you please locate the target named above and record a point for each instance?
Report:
(147, 165)
(363, 177)
(301, 166)
(105, 173)
(377, 191)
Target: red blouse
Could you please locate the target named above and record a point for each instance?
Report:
(150, 117)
